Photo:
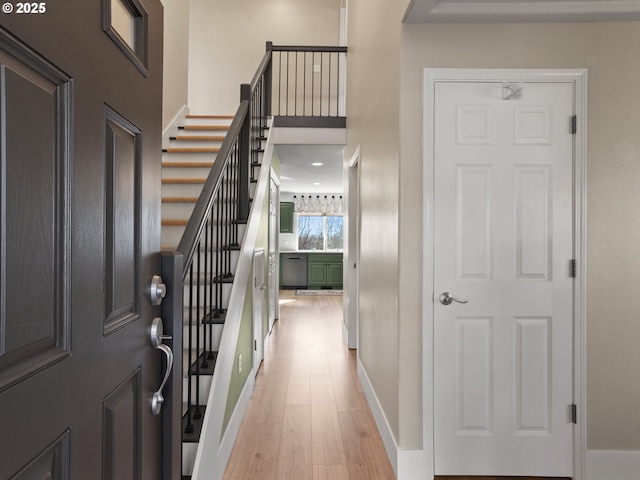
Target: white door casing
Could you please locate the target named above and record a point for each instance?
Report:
(499, 229)
(274, 210)
(259, 288)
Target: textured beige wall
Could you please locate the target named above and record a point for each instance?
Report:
(373, 110)
(176, 58)
(609, 51)
(227, 42)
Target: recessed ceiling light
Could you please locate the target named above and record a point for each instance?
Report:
(317, 164)
(316, 183)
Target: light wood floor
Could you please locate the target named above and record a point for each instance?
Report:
(308, 418)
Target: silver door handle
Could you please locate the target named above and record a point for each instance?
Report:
(156, 341)
(447, 299)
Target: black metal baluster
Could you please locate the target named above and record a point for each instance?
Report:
(197, 414)
(338, 86)
(189, 427)
(287, 102)
(213, 308)
(313, 82)
(329, 81)
(220, 258)
(206, 308)
(321, 79)
(304, 86)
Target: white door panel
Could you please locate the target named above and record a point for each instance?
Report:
(503, 242)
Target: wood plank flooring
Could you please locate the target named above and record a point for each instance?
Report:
(308, 418)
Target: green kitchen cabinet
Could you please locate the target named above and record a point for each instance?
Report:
(286, 217)
(324, 270)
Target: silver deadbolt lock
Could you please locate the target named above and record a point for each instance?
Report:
(158, 290)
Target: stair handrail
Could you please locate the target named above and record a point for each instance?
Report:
(197, 220)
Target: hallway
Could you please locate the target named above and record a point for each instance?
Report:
(308, 418)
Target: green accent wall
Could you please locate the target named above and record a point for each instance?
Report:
(244, 344)
(244, 347)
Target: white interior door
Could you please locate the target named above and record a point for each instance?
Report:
(503, 223)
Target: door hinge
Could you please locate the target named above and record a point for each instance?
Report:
(574, 413)
(573, 268)
(574, 124)
(255, 345)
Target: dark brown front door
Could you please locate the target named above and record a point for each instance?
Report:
(80, 126)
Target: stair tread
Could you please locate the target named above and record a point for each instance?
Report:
(179, 199)
(212, 117)
(204, 127)
(183, 180)
(197, 138)
(211, 364)
(218, 318)
(191, 150)
(175, 222)
(194, 435)
(187, 164)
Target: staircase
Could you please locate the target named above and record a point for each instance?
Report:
(186, 164)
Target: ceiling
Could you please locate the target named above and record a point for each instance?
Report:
(511, 11)
(298, 175)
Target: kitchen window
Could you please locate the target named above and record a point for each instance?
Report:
(320, 232)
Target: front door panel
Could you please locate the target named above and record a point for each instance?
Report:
(79, 230)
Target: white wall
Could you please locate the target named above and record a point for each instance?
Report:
(176, 58)
(227, 42)
(389, 353)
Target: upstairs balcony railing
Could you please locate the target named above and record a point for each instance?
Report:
(309, 85)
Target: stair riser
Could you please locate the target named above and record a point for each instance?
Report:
(171, 235)
(176, 210)
(217, 335)
(189, 451)
(205, 386)
(189, 157)
(226, 293)
(208, 121)
(234, 254)
(181, 189)
(186, 172)
(207, 132)
(195, 143)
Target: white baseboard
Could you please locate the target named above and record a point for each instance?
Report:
(613, 465)
(407, 464)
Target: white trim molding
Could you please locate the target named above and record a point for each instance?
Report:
(171, 130)
(522, 11)
(578, 77)
(407, 464)
(613, 464)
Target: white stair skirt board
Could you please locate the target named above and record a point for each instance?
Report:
(172, 129)
(613, 464)
(233, 427)
(407, 464)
